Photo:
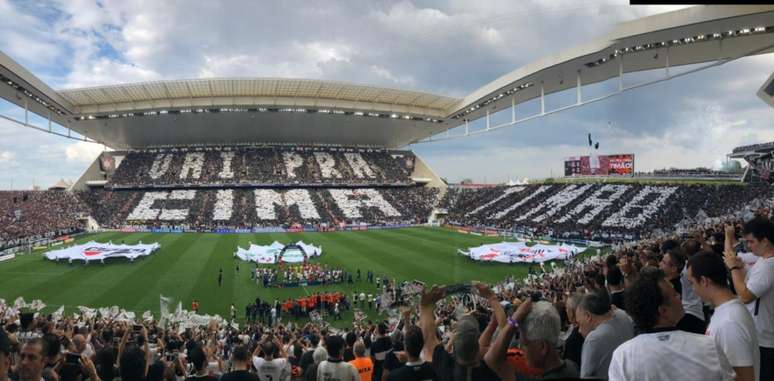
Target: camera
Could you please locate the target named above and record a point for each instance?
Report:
(72, 358)
(461, 288)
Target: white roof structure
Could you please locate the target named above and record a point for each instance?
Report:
(253, 92)
(299, 111)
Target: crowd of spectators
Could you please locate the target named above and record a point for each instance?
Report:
(30, 216)
(206, 209)
(699, 305)
(699, 172)
(605, 212)
(245, 166)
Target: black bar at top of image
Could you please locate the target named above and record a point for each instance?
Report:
(705, 2)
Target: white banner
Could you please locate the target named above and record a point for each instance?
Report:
(519, 252)
(94, 251)
(269, 254)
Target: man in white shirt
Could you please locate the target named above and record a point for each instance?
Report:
(604, 330)
(731, 325)
(272, 365)
(661, 351)
(335, 368)
(755, 286)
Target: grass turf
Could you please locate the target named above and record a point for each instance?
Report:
(186, 267)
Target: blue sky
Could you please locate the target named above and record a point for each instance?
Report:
(446, 47)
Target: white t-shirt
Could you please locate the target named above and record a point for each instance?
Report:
(734, 331)
(760, 281)
(337, 371)
(274, 370)
(670, 355)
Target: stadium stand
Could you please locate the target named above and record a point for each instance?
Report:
(30, 216)
(261, 207)
(695, 173)
(267, 186)
(260, 166)
(594, 211)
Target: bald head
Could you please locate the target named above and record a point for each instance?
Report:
(80, 343)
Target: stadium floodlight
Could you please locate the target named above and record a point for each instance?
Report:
(745, 31)
(760, 28)
(716, 35)
(394, 116)
(91, 117)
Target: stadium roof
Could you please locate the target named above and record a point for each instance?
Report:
(249, 110)
(197, 93)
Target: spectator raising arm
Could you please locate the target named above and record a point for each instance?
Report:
(427, 318)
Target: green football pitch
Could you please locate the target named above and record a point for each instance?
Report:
(186, 268)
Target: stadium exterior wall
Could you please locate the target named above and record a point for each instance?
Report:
(92, 173)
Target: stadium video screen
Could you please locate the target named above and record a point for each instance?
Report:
(618, 165)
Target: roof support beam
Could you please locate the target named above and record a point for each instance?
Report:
(578, 94)
(620, 73)
(513, 108)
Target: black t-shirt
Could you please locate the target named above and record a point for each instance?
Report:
(391, 361)
(573, 346)
(617, 299)
(306, 360)
(348, 354)
(379, 351)
(419, 372)
(239, 375)
(446, 368)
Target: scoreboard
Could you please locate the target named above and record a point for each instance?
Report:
(619, 165)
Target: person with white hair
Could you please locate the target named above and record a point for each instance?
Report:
(539, 326)
(319, 355)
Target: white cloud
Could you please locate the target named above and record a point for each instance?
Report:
(450, 48)
(6, 156)
(104, 71)
(83, 152)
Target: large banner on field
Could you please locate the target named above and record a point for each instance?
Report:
(277, 252)
(94, 251)
(519, 252)
(619, 164)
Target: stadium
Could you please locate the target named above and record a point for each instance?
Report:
(268, 214)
